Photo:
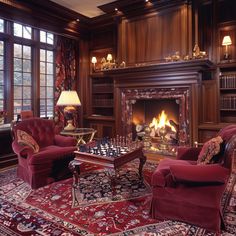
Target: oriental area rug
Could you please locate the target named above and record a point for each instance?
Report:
(95, 208)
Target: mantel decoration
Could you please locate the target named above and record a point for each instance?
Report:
(106, 64)
(197, 54)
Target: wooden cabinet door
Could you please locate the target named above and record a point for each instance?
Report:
(104, 129)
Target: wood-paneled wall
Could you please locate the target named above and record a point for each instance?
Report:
(151, 38)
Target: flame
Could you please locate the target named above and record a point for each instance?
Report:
(161, 121)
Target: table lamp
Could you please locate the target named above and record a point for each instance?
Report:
(226, 42)
(69, 99)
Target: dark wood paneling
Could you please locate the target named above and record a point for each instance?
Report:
(83, 82)
(104, 128)
(103, 37)
(205, 28)
(208, 112)
(226, 10)
(205, 135)
(153, 37)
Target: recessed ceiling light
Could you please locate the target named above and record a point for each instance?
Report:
(77, 19)
(116, 9)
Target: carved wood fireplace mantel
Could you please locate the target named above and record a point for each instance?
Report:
(177, 80)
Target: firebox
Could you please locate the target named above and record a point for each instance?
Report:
(144, 111)
(158, 116)
(158, 119)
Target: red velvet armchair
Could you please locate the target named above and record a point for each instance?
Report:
(49, 161)
(192, 193)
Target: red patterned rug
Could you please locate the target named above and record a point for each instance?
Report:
(52, 210)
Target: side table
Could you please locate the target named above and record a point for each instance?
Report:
(82, 135)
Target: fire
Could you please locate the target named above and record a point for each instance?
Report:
(161, 122)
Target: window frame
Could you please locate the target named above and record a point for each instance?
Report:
(9, 40)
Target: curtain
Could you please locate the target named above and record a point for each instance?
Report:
(66, 51)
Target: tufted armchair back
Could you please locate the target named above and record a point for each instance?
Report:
(228, 134)
(41, 130)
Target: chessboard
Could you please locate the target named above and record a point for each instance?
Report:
(111, 147)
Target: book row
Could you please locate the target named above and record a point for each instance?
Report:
(228, 102)
(228, 81)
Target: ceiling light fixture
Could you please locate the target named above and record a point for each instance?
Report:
(116, 9)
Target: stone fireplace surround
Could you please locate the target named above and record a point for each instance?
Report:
(179, 80)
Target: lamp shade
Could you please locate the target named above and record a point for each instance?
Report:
(109, 57)
(94, 60)
(69, 98)
(226, 40)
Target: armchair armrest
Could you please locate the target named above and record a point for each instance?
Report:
(21, 150)
(200, 174)
(64, 141)
(188, 153)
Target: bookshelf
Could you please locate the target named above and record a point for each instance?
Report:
(227, 87)
(101, 105)
(102, 96)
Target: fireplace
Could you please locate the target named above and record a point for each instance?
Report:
(141, 105)
(176, 83)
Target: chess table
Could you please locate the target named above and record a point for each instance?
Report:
(112, 160)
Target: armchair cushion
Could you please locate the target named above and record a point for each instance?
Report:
(200, 174)
(209, 150)
(25, 139)
(162, 176)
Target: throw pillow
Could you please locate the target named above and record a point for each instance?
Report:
(24, 138)
(209, 150)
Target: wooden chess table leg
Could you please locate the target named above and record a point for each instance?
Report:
(112, 174)
(74, 168)
(142, 160)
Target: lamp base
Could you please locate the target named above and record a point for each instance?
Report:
(226, 56)
(70, 126)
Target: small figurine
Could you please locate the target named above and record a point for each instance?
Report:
(196, 51)
(122, 64)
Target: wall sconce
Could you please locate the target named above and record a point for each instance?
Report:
(226, 42)
(94, 61)
(109, 57)
(69, 99)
